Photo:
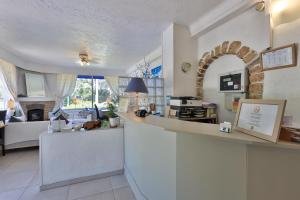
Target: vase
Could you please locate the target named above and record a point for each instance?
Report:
(114, 122)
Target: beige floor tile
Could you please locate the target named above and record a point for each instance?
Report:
(15, 180)
(4, 165)
(19, 180)
(12, 194)
(119, 181)
(124, 193)
(36, 181)
(34, 193)
(9, 159)
(109, 195)
(22, 165)
(19, 161)
(89, 188)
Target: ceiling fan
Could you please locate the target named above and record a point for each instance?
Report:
(86, 60)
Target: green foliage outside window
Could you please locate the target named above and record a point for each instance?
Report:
(88, 92)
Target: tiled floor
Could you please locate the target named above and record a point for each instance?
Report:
(19, 180)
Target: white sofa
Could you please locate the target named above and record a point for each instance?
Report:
(24, 134)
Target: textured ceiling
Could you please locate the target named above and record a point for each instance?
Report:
(115, 33)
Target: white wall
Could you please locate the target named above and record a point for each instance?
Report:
(179, 47)
(250, 29)
(284, 83)
(185, 49)
(168, 59)
(154, 58)
(50, 82)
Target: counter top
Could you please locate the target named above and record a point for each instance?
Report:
(212, 130)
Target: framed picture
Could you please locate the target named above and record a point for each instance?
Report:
(123, 104)
(260, 118)
(282, 57)
(35, 85)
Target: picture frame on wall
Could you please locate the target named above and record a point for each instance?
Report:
(35, 85)
(260, 118)
(123, 104)
(278, 58)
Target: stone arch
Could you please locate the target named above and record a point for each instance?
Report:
(249, 56)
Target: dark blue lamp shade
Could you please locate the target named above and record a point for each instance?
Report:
(136, 85)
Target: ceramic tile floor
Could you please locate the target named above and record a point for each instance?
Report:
(19, 180)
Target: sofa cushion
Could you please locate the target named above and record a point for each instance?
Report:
(14, 119)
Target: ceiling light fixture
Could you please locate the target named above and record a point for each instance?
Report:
(84, 59)
(279, 6)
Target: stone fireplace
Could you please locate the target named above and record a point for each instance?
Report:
(37, 110)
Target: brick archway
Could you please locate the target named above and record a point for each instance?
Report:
(246, 54)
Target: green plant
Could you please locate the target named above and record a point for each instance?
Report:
(104, 124)
(111, 110)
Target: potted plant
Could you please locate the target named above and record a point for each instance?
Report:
(114, 120)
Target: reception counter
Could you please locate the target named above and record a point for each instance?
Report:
(168, 159)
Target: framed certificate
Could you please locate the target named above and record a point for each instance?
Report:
(260, 118)
(278, 58)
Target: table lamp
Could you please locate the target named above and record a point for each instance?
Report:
(137, 86)
(11, 104)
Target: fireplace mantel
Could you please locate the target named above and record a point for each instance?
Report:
(47, 103)
(35, 99)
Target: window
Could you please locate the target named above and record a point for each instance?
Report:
(2, 106)
(90, 90)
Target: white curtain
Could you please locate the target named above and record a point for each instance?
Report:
(113, 83)
(65, 87)
(8, 77)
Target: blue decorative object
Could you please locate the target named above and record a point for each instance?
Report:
(136, 85)
(156, 71)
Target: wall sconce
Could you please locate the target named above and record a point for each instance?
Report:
(11, 104)
(260, 6)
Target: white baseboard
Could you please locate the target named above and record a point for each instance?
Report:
(135, 188)
(80, 180)
(31, 143)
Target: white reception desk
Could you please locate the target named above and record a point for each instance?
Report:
(67, 158)
(168, 159)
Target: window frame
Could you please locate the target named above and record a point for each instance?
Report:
(92, 78)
